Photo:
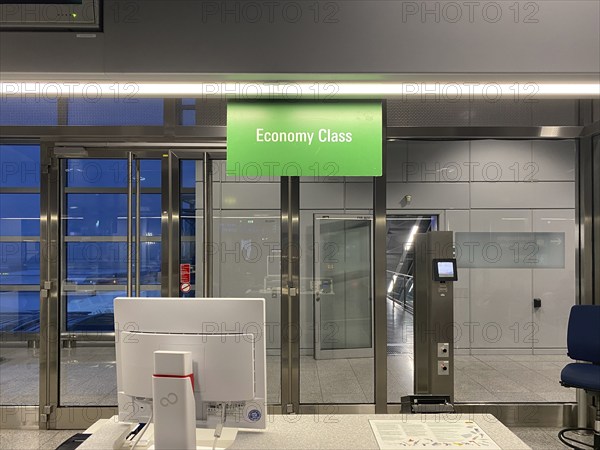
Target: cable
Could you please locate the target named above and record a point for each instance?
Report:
(141, 433)
(219, 427)
(567, 440)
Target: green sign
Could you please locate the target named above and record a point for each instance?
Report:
(274, 139)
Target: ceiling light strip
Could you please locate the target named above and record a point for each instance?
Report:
(450, 91)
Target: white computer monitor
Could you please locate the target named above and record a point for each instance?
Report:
(227, 342)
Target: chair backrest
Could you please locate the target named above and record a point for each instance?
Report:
(583, 335)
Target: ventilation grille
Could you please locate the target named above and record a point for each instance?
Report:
(429, 113)
(211, 112)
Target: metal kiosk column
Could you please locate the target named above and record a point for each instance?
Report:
(435, 271)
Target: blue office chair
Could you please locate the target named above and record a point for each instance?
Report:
(583, 343)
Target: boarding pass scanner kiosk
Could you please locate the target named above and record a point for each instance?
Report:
(435, 273)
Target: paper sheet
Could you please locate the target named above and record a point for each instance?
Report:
(463, 434)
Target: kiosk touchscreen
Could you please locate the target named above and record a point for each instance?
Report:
(445, 270)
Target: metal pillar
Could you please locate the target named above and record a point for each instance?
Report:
(434, 316)
(586, 202)
(290, 295)
(380, 278)
(207, 268)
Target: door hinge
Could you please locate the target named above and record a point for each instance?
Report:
(45, 413)
(289, 408)
(45, 291)
(47, 167)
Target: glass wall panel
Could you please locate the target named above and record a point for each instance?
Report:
(247, 254)
(511, 206)
(20, 214)
(191, 215)
(150, 173)
(94, 268)
(20, 263)
(336, 301)
(20, 166)
(401, 231)
(20, 311)
(85, 216)
(20, 258)
(96, 173)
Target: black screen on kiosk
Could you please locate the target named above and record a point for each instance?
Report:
(444, 270)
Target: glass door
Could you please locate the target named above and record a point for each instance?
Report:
(237, 250)
(342, 286)
(400, 301)
(104, 241)
(110, 229)
(19, 280)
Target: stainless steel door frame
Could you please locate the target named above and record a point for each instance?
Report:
(317, 261)
(49, 318)
(51, 414)
(171, 219)
(290, 295)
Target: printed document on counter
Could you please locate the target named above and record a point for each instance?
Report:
(399, 434)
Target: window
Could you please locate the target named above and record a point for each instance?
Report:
(19, 238)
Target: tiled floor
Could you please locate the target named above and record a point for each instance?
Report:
(89, 378)
(33, 439)
(88, 375)
(545, 438)
(536, 438)
(510, 378)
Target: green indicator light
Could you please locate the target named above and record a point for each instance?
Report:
(73, 15)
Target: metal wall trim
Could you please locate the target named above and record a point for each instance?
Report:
(595, 143)
(380, 276)
(111, 133)
(52, 272)
(138, 209)
(129, 223)
(45, 275)
(290, 305)
(207, 197)
(501, 132)
(585, 211)
(19, 287)
(584, 268)
(217, 134)
(170, 250)
(146, 147)
(591, 129)
(171, 112)
(174, 234)
(285, 307)
(294, 293)
(19, 190)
